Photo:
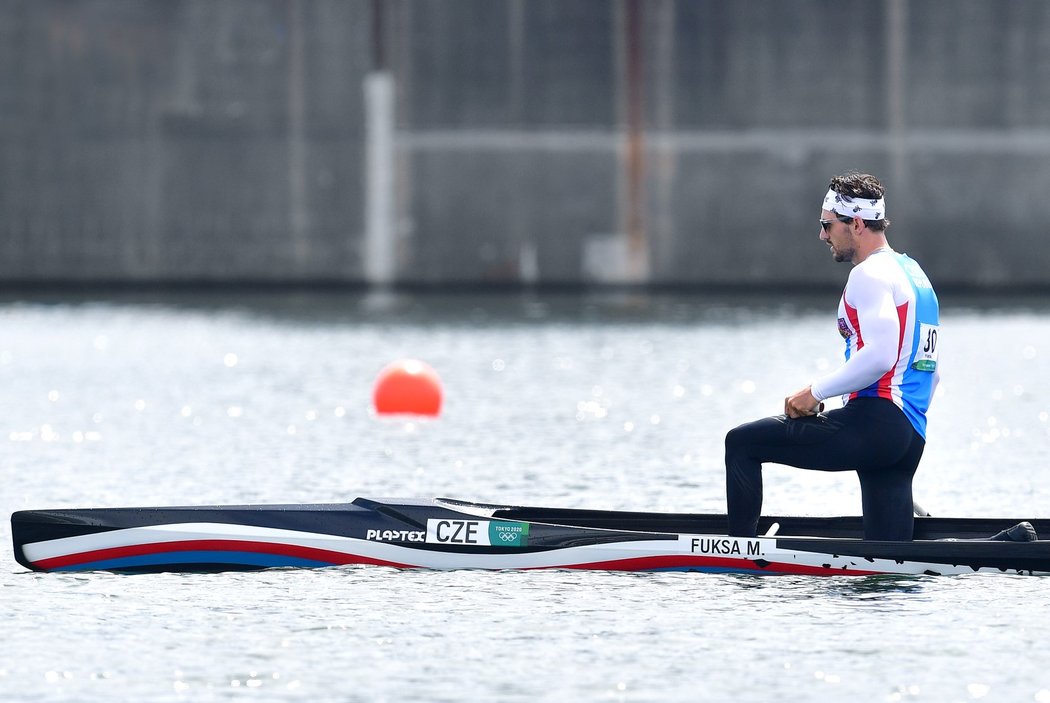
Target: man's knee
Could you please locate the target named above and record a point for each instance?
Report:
(740, 438)
(735, 440)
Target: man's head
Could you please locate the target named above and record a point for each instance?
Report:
(853, 219)
(858, 191)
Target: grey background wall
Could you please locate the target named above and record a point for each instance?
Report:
(535, 141)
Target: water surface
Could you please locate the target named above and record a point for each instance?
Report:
(593, 401)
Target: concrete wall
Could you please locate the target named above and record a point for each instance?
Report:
(547, 141)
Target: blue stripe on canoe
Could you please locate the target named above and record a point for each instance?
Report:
(258, 559)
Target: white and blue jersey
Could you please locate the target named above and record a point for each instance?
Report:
(889, 317)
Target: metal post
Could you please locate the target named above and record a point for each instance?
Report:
(380, 260)
(637, 241)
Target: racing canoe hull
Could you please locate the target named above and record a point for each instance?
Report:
(451, 534)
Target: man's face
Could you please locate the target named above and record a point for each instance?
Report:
(838, 235)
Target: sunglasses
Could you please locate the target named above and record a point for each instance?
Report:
(826, 224)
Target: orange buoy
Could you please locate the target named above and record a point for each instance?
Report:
(407, 386)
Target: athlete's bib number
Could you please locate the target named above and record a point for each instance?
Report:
(926, 354)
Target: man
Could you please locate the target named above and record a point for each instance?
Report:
(888, 316)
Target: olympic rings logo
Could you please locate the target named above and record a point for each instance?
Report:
(509, 536)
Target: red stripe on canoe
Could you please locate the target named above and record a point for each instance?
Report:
(212, 545)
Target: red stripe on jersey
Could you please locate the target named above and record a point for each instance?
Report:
(854, 321)
(885, 387)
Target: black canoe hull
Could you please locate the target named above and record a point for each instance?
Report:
(450, 534)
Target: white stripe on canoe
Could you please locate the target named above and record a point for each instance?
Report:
(180, 532)
(414, 556)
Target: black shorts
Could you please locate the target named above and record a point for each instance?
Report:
(871, 436)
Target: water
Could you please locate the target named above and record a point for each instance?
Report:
(607, 402)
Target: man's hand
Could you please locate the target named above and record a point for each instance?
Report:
(802, 403)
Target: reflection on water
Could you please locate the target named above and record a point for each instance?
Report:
(890, 594)
(867, 587)
(851, 588)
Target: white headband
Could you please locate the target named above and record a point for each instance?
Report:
(864, 208)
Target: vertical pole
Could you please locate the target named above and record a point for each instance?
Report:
(380, 261)
(528, 255)
(637, 242)
(378, 45)
(661, 220)
(896, 59)
(298, 213)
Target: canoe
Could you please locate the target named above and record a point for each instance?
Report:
(444, 533)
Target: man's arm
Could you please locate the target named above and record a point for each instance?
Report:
(880, 330)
